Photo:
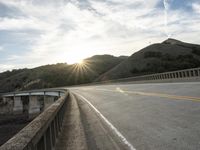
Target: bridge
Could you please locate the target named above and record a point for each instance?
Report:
(158, 111)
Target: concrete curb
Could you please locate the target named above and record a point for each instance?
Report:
(73, 135)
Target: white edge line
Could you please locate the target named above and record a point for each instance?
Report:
(124, 140)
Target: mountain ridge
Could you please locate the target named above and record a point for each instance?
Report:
(168, 55)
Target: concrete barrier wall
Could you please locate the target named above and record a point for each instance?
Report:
(42, 132)
(180, 75)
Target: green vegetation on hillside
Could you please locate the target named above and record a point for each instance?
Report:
(165, 62)
(167, 56)
(57, 75)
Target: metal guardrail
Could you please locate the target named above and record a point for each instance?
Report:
(42, 132)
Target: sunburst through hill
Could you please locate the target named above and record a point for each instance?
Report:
(80, 70)
(58, 75)
(87, 70)
(80, 62)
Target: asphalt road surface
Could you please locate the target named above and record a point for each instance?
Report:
(162, 116)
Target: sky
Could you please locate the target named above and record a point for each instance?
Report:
(39, 32)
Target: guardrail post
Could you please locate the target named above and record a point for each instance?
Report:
(59, 121)
(41, 144)
(51, 140)
(167, 75)
(171, 75)
(175, 75)
(53, 133)
(45, 140)
(183, 74)
(160, 77)
(48, 139)
(180, 74)
(192, 73)
(164, 76)
(189, 73)
(150, 77)
(154, 77)
(196, 73)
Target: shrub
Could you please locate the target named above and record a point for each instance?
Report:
(151, 54)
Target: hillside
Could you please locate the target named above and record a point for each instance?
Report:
(169, 55)
(57, 75)
(166, 56)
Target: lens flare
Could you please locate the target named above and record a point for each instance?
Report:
(81, 72)
(80, 62)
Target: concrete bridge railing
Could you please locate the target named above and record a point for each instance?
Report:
(187, 74)
(42, 132)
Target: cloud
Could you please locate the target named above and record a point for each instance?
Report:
(19, 24)
(166, 4)
(13, 57)
(1, 48)
(4, 67)
(52, 31)
(196, 7)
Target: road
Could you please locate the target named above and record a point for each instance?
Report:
(159, 116)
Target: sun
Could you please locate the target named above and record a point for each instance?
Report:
(77, 57)
(74, 60)
(80, 62)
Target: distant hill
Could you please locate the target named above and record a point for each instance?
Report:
(169, 55)
(57, 75)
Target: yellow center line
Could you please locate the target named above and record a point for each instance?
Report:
(177, 97)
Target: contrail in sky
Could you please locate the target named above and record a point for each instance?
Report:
(166, 4)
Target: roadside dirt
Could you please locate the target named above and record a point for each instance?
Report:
(10, 125)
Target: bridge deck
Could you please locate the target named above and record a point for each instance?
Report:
(150, 116)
